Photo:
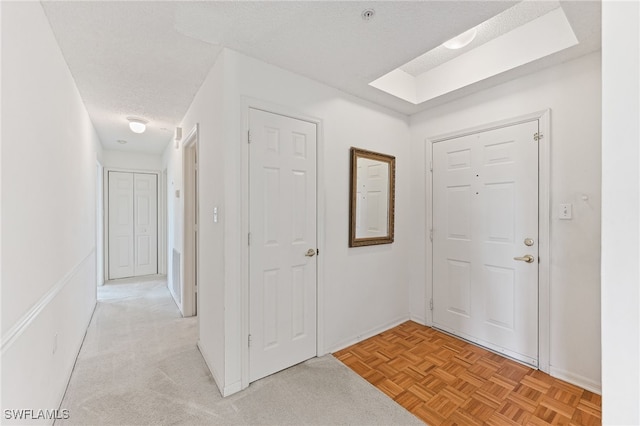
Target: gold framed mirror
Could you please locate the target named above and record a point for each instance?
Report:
(372, 198)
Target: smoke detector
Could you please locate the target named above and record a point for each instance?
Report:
(368, 14)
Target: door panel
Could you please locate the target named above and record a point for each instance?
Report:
(485, 204)
(282, 186)
(146, 224)
(121, 235)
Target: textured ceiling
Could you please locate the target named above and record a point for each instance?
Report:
(149, 58)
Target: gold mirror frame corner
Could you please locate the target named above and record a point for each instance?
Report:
(389, 159)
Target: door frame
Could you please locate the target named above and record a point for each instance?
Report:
(106, 171)
(544, 218)
(190, 253)
(248, 104)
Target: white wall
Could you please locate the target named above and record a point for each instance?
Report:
(207, 109)
(48, 213)
(620, 213)
(572, 91)
(132, 160)
(362, 290)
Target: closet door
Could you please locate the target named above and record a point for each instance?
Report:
(121, 241)
(133, 224)
(145, 224)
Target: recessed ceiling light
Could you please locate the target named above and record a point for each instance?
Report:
(121, 141)
(137, 125)
(462, 40)
(368, 14)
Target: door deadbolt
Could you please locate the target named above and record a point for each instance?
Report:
(528, 242)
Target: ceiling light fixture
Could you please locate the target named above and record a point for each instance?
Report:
(462, 40)
(137, 125)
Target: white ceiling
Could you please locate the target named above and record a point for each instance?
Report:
(148, 59)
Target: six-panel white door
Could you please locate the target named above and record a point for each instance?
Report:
(283, 265)
(133, 224)
(145, 208)
(121, 236)
(485, 215)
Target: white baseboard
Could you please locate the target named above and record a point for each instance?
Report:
(419, 319)
(576, 379)
(77, 350)
(216, 376)
(367, 334)
(232, 388)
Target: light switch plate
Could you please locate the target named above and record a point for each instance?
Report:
(566, 211)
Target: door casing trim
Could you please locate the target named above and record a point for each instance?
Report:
(249, 103)
(544, 220)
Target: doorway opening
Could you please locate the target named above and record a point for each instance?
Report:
(190, 200)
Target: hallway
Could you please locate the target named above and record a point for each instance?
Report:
(139, 364)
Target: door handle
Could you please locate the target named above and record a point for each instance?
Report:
(526, 258)
(310, 253)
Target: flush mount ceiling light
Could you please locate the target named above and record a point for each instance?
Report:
(121, 141)
(137, 125)
(462, 40)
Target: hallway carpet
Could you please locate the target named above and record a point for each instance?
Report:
(139, 365)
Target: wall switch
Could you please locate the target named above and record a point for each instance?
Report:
(177, 193)
(215, 215)
(566, 211)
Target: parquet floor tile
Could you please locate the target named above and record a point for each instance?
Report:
(446, 381)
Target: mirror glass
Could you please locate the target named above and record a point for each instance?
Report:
(372, 198)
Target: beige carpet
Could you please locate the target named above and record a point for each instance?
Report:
(139, 364)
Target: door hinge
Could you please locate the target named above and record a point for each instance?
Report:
(430, 166)
(431, 235)
(248, 136)
(249, 340)
(537, 136)
(249, 238)
(431, 304)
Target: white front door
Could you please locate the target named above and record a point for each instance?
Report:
(133, 224)
(485, 225)
(282, 261)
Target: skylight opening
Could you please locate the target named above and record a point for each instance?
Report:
(546, 34)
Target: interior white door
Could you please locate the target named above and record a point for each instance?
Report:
(485, 225)
(283, 244)
(145, 208)
(133, 224)
(121, 237)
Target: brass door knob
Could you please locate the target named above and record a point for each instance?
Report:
(526, 258)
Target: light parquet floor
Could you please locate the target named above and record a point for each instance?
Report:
(446, 381)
